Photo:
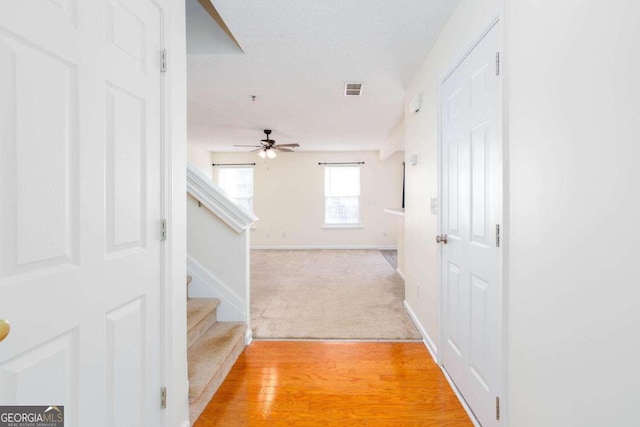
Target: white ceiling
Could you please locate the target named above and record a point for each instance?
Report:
(297, 56)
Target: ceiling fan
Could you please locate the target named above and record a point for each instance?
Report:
(268, 146)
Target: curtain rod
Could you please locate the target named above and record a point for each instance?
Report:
(233, 164)
(343, 163)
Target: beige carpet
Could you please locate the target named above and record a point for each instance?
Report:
(342, 294)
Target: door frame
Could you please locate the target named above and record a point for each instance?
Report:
(497, 22)
(173, 298)
(166, 308)
(167, 304)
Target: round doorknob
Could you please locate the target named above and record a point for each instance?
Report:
(5, 328)
(441, 239)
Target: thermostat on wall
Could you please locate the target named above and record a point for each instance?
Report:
(413, 160)
(434, 206)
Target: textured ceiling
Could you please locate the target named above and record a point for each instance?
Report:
(297, 56)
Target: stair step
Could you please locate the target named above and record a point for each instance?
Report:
(201, 315)
(210, 360)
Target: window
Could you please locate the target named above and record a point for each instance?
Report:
(238, 183)
(342, 195)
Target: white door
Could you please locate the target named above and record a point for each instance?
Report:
(80, 208)
(471, 201)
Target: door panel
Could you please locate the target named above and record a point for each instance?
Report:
(80, 208)
(125, 208)
(35, 239)
(453, 207)
(478, 357)
(125, 361)
(470, 212)
(54, 364)
(454, 337)
(479, 214)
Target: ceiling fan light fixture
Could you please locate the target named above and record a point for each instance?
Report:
(268, 147)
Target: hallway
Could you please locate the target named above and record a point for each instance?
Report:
(277, 383)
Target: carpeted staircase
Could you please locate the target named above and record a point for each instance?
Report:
(213, 349)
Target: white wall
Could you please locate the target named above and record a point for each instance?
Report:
(574, 235)
(200, 157)
(394, 142)
(218, 261)
(465, 25)
(289, 199)
(401, 246)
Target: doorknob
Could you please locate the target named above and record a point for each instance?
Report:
(441, 239)
(5, 328)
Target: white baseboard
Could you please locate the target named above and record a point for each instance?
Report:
(346, 340)
(400, 274)
(311, 247)
(463, 402)
(185, 424)
(248, 337)
(206, 285)
(428, 342)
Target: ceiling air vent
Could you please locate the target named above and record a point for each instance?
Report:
(352, 89)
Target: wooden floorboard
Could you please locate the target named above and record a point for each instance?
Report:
(284, 383)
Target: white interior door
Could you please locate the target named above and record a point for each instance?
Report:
(80, 208)
(471, 166)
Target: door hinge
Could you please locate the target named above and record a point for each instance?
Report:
(163, 61)
(163, 397)
(163, 230)
(497, 408)
(497, 63)
(497, 235)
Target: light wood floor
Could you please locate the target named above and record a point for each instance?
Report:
(334, 384)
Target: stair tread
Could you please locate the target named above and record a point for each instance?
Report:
(211, 353)
(198, 309)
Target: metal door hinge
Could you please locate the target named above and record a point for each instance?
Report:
(163, 397)
(163, 230)
(163, 61)
(497, 408)
(497, 63)
(497, 235)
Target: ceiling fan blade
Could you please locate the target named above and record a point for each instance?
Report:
(259, 149)
(288, 150)
(287, 145)
(255, 146)
(268, 141)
